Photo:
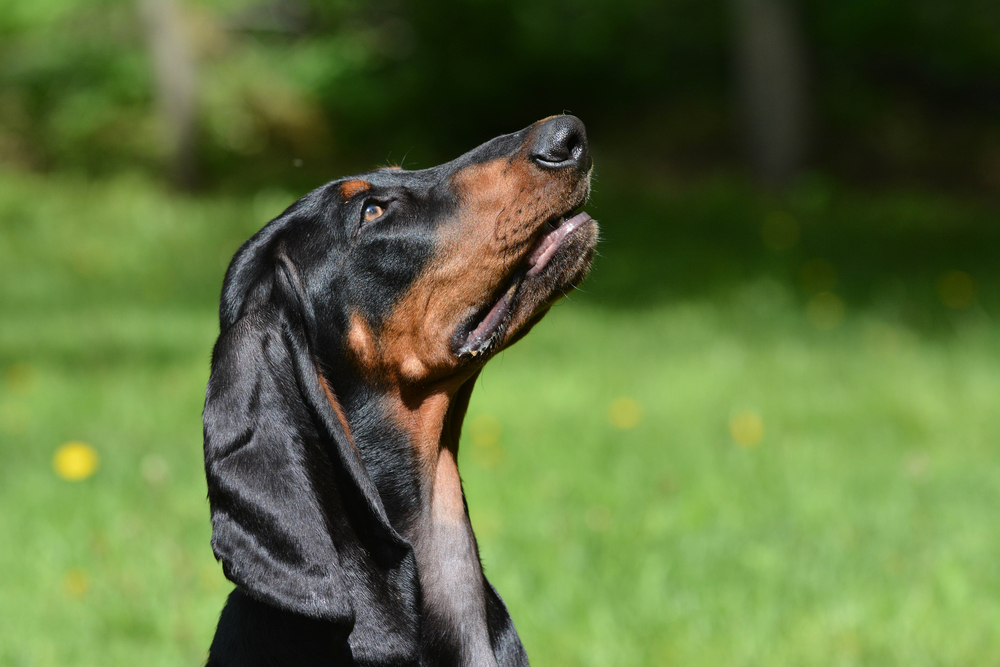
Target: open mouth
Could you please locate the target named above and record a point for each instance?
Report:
(487, 327)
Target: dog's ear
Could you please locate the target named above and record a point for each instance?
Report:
(296, 519)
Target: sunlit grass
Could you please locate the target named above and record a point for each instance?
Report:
(855, 528)
(684, 465)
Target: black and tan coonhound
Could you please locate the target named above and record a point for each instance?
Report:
(353, 327)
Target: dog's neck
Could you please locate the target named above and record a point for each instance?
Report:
(423, 437)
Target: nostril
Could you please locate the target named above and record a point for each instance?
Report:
(562, 142)
(557, 146)
(573, 144)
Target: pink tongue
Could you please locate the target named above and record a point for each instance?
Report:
(548, 244)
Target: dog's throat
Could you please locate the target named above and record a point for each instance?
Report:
(451, 577)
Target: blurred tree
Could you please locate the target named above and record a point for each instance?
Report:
(771, 85)
(176, 86)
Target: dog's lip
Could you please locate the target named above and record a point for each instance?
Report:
(487, 326)
(549, 243)
(484, 329)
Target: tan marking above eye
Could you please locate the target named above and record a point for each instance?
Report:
(350, 188)
(372, 211)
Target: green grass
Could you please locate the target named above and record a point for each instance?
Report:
(860, 530)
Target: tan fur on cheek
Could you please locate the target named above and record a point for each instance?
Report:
(361, 343)
(393, 356)
(413, 369)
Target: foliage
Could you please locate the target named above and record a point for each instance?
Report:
(289, 88)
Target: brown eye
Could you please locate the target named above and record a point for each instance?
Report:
(371, 212)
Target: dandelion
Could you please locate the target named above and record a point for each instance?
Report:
(76, 582)
(747, 428)
(75, 461)
(625, 413)
(825, 311)
(956, 289)
(485, 430)
(779, 231)
(818, 275)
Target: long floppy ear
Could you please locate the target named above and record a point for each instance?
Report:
(296, 519)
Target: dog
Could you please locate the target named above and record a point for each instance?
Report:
(352, 330)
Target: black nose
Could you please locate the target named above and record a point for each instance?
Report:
(561, 143)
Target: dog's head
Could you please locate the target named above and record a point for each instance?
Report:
(420, 276)
(393, 279)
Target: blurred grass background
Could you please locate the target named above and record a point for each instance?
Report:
(764, 432)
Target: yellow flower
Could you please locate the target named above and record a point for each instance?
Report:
(625, 413)
(746, 428)
(956, 289)
(75, 461)
(825, 311)
(485, 431)
(76, 582)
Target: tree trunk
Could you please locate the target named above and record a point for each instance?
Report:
(176, 86)
(771, 83)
